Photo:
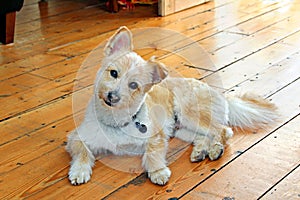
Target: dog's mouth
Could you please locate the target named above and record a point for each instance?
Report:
(108, 103)
(112, 98)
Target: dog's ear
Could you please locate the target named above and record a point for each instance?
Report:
(157, 70)
(120, 42)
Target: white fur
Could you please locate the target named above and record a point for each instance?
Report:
(100, 137)
(80, 173)
(248, 115)
(160, 177)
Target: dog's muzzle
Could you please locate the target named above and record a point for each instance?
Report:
(112, 98)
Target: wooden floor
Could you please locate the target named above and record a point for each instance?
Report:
(250, 46)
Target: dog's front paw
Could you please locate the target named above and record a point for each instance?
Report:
(160, 177)
(80, 173)
(198, 155)
(216, 151)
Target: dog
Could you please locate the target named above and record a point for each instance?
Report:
(136, 107)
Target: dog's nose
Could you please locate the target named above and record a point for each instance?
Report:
(113, 97)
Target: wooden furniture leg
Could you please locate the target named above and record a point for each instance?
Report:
(7, 27)
(113, 6)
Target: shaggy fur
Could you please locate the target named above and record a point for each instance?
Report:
(136, 108)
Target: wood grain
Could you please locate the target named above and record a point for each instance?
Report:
(46, 79)
(288, 188)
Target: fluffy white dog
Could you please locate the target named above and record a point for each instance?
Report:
(136, 107)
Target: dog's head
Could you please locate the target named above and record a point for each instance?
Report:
(125, 77)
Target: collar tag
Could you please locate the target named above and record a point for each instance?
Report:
(141, 127)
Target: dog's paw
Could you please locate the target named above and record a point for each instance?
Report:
(226, 134)
(198, 155)
(160, 177)
(80, 173)
(216, 151)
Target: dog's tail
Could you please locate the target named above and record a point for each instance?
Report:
(250, 112)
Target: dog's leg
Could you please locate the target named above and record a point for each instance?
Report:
(200, 149)
(82, 160)
(216, 148)
(200, 140)
(154, 159)
(210, 144)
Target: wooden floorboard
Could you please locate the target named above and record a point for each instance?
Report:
(246, 46)
(287, 188)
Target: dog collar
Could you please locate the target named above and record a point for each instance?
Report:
(141, 127)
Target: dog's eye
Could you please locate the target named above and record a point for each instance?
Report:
(133, 85)
(114, 73)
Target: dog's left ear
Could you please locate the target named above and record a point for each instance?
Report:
(157, 70)
(120, 42)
